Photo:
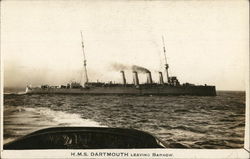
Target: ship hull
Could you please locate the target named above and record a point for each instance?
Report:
(161, 90)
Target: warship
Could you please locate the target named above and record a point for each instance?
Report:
(171, 85)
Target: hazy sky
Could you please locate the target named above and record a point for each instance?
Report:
(206, 42)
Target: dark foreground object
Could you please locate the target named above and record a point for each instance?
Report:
(85, 138)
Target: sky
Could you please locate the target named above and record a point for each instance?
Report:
(207, 42)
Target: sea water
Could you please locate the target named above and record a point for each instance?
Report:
(215, 122)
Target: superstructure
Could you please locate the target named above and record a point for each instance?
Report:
(171, 86)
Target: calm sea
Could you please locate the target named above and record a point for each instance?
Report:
(181, 121)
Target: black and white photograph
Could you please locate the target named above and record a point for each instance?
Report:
(124, 79)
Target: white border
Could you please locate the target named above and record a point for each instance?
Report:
(177, 153)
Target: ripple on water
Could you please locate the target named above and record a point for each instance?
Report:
(182, 121)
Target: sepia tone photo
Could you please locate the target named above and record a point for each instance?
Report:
(154, 75)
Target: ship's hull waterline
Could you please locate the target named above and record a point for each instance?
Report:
(164, 90)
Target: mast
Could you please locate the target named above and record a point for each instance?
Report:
(166, 64)
(84, 62)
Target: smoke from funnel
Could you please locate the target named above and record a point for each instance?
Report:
(140, 69)
(119, 67)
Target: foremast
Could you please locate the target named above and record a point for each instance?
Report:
(165, 57)
(84, 63)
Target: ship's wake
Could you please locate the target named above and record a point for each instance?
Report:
(14, 93)
(19, 120)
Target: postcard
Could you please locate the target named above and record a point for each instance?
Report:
(125, 79)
